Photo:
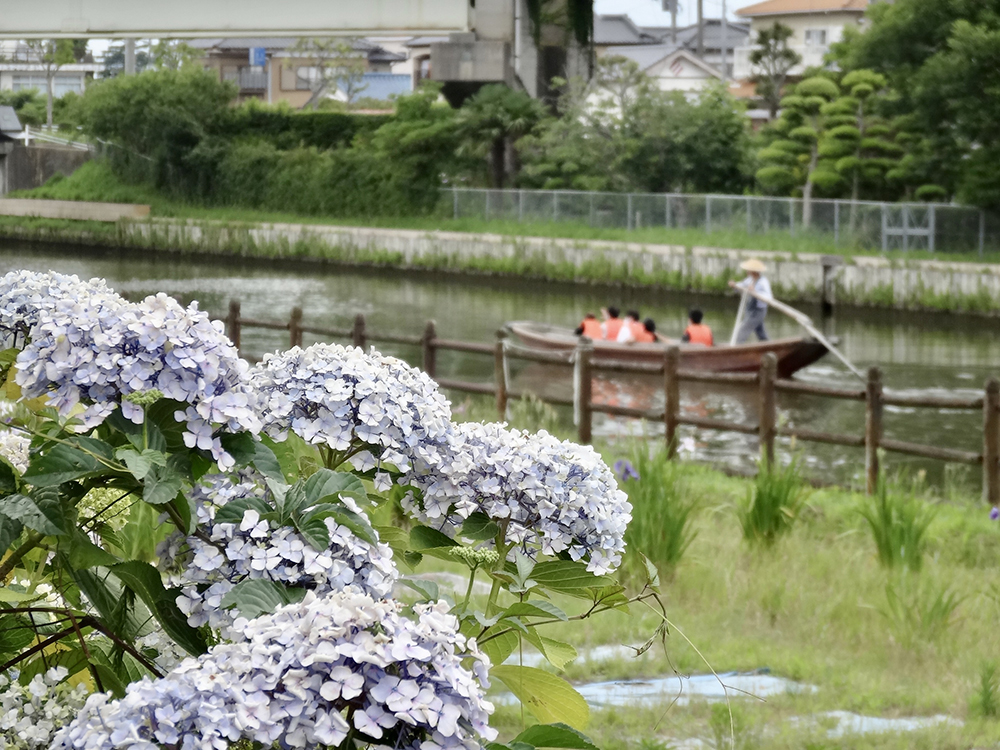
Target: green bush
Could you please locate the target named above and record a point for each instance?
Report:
(771, 504)
(662, 509)
(286, 128)
(898, 525)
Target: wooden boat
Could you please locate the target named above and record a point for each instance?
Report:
(793, 353)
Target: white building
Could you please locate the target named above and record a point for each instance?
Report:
(815, 25)
(20, 69)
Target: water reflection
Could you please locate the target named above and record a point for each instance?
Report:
(919, 354)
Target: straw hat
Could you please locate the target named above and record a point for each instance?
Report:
(753, 266)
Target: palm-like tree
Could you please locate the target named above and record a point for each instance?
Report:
(492, 120)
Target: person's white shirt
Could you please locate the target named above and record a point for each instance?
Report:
(625, 334)
(762, 287)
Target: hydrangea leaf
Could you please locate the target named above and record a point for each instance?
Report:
(501, 643)
(15, 634)
(65, 462)
(427, 589)
(548, 697)
(313, 528)
(535, 608)
(555, 735)
(241, 446)
(257, 597)
(479, 527)
(161, 485)
(325, 484)
(557, 653)
(568, 577)
(41, 512)
(10, 530)
(423, 538)
(72, 659)
(84, 554)
(234, 510)
(8, 479)
(145, 581)
(266, 462)
(137, 463)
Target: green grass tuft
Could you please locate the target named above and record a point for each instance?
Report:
(771, 504)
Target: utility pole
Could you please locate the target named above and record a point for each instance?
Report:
(130, 56)
(671, 5)
(701, 29)
(725, 41)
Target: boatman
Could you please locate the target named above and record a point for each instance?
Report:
(756, 310)
(590, 327)
(697, 332)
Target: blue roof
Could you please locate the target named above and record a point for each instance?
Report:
(381, 86)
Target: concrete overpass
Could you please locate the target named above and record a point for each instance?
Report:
(491, 42)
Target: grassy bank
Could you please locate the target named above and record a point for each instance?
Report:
(817, 608)
(94, 181)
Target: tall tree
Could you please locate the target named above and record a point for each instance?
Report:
(492, 120)
(333, 64)
(792, 160)
(773, 58)
(52, 54)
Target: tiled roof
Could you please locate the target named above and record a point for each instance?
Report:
(619, 29)
(782, 7)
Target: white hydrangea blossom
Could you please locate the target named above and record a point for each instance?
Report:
(306, 676)
(92, 351)
(344, 399)
(206, 570)
(554, 496)
(24, 295)
(31, 714)
(14, 447)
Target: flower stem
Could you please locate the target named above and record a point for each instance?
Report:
(468, 591)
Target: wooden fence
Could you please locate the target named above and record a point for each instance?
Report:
(765, 382)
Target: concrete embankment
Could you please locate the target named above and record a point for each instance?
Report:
(858, 281)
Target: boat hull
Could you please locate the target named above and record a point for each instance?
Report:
(792, 354)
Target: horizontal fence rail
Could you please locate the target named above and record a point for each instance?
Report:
(852, 224)
(766, 382)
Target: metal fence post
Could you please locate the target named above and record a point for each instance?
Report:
(885, 229)
(982, 232)
(454, 200)
(666, 200)
(358, 336)
(791, 216)
(991, 442)
(555, 205)
(487, 204)
(500, 373)
(672, 388)
(520, 206)
(628, 212)
(592, 209)
(583, 395)
(767, 419)
(708, 213)
(430, 353)
(749, 215)
(836, 223)
(233, 323)
(932, 228)
(873, 428)
(295, 328)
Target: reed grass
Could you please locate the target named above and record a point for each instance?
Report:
(898, 526)
(771, 503)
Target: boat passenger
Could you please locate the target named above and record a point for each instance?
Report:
(648, 333)
(630, 328)
(756, 310)
(590, 328)
(612, 323)
(697, 332)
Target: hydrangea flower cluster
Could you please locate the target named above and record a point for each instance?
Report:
(26, 295)
(94, 350)
(554, 496)
(307, 676)
(344, 399)
(31, 714)
(206, 569)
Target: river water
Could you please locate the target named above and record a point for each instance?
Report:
(919, 354)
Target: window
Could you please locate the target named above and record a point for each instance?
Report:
(816, 37)
(61, 84)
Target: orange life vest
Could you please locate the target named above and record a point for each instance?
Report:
(611, 328)
(591, 328)
(699, 333)
(642, 336)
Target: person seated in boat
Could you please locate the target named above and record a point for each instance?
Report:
(612, 324)
(697, 332)
(756, 309)
(648, 333)
(590, 327)
(631, 328)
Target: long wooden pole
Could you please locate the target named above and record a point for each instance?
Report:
(803, 320)
(991, 442)
(739, 318)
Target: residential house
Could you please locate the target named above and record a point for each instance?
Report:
(815, 25)
(21, 69)
(287, 75)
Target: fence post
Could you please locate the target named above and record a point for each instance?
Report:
(791, 216)
(749, 216)
(454, 200)
(358, 336)
(500, 374)
(233, 323)
(885, 229)
(932, 228)
(666, 200)
(592, 217)
(555, 205)
(708, 213)
(767, 418)
(628, 212)
(672, 408)
(982, 232)
(836, 223)
(582, 393)
(520, 206)
(991, 442)
(295, 328)
(873, 428)
(430, 353)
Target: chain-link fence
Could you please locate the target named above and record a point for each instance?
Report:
(862, 225)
